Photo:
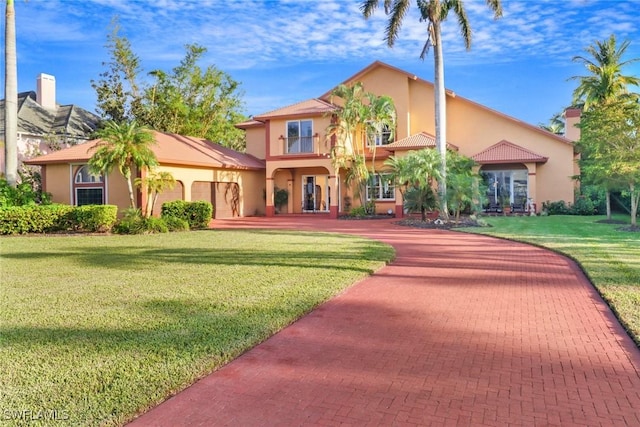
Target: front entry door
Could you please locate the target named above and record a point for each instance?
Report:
(315, 193)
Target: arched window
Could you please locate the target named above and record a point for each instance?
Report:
(88, 188)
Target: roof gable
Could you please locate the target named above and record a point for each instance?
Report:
(310, 107)
(169, 149)
(417, 141)
(507, 152)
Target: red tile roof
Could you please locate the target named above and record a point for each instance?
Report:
(169, 149)
(310, 107)
(419, 140)
(507, 152)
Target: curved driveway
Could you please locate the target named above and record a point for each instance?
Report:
(459, 330)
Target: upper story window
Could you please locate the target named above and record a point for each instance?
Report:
(381, 137)
(299, 136)
(84, 176)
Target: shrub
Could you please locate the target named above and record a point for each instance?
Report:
(555, 208)
(131, 222)
(95, 218)
(197, 214)
(176, 224)
(35, 218)
(358, 212)
(23, 194)
(583, 206)
(155, 225)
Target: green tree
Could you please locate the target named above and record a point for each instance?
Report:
(605, 83)
(434, 12)
(118, 92)
(195, 102)
(462, 184)
(154, 184)
(610, 136)
(362, 118)
(11, 97)
(416, 174)
(124, 146)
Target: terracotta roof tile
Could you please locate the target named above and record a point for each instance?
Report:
(418, 140)
(169, 149)
(249, 124)
(310, 107)
(507, 152)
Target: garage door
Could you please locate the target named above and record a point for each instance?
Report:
(227, 200)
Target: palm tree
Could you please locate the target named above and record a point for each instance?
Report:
(605, 84)
(11, 97)
(381, 122)
(605, 81)
(154, 184)
(414, 174)
(125, 146)
(348, 128)
(556, 124)
(434, 12)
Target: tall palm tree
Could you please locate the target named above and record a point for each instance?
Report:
(605, 81)
(434, 12)
(124, 146)
(11, 98)
(381, 123)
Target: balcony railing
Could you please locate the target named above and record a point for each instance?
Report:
(299, 144)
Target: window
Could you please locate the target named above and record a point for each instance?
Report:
(382, 137)
(506, 187)
(89, 196)
(382, 186)
(299, 136)
(84, 176)
(88, 188)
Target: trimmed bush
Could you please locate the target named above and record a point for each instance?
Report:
(35, 219)
(197, 214)
(176, 224)
(95, 218)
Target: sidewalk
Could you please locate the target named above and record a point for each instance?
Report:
(459, 330)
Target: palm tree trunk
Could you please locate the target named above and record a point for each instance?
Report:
(11, 98)
(635, 195)
(127, 177)
(441, 118)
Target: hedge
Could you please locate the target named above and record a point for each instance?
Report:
(197, 214)
(48, 218)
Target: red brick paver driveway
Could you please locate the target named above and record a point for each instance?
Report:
(458, 330)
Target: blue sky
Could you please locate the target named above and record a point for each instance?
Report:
(287, 51)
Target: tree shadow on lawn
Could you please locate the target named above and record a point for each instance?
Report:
(131, 257)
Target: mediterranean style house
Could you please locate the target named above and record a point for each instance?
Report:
(520, 162)
(288, 151)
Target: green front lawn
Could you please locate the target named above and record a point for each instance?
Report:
(611, 258)
(96, 329)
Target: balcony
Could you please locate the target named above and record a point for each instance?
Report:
(301, 144)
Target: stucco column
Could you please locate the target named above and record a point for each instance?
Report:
(270, 209)
(399, 203)
(290, 199)
(531, 185)
(333, 194)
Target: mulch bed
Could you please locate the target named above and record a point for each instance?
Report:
(439, 224)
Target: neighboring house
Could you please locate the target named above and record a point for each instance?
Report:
(520, 162)
(233, 182)
(43, 125)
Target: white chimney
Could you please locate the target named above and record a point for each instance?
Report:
(46, 91)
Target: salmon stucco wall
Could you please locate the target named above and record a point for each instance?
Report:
(256, 142)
